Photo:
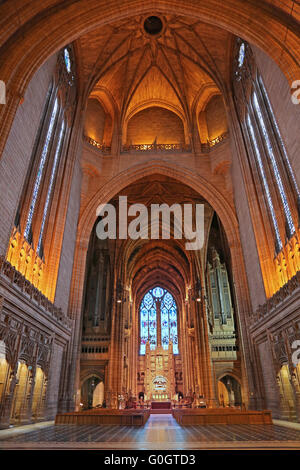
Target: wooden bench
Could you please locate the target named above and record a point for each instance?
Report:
(105, 417)
(206, 416)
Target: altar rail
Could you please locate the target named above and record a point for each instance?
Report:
(105, 417)
(191, 417)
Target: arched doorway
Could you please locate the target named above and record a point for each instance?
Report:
(90, 393)
(287, 397)
(39, 394)
(4, 373)
(20, 402)
(98, 395)
(229, 391)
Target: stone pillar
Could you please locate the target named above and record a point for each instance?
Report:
(8, 398)
(29, 395)
(210, 386)
(296, 389)
(116, 363)
(134, 342)
(184, 340)
(284, 410)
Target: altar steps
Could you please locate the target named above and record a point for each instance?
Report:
(161, 411)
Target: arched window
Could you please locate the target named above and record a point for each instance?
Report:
(276, 172)
(41, 204)
(51, 183)
(40, 170)
(265, 144)
(264, 182)
(50, 148)
(154, 301)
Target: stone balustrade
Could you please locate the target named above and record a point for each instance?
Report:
(156, 148)
(102, 147)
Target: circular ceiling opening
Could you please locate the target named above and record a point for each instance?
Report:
(153, 25)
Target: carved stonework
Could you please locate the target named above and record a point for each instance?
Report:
(271, 304)
(19, 281)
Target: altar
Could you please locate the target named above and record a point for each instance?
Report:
(161, 405)
(159, 372)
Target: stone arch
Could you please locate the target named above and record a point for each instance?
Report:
(235, 394)
(123, 179)
(88, 387)
(230, 373)
(89, 373)
(196, 182)
(155, 103)
(155, 122)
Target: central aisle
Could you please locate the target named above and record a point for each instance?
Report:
(160, 432)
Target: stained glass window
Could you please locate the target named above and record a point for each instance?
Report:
(168, 320)
(67, 60)
(40, 170)
(241, 54)
(264, 180)
(274, 121)
(274, 165)
(51, 182)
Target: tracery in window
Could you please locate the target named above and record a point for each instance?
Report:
(265, 182)
(270, 155)
(51, 182)
(278, 179)
(67, 60)
(241, 54)
(41, 169)
(168, 320)
(282, 145)
(46, 170)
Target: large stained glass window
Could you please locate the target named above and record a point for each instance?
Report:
(67, 60)
(41, 169)
(265, 182)
(154, 298)
(51, 183)
(276, 172)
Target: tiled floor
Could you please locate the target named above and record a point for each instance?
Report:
(160, 432)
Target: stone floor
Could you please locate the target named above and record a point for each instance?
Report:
(160, 432)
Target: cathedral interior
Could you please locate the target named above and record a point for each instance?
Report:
(176, 104)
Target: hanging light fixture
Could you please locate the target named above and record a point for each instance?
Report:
(121, 294)
(196, 293)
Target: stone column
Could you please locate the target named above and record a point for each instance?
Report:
(284, 410)
(210, 386)
(186, 366)
(134, 341)
(8, 398)
(29, 394)
(296, 389)
(115, 375)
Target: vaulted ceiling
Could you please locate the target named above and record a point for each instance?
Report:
(173, 68)
(150, 261)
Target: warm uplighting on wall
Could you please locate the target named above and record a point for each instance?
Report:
(220, 138)
(101, 146)
(24, 259)
(196, 292)
(121, 295)
(286, 264)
